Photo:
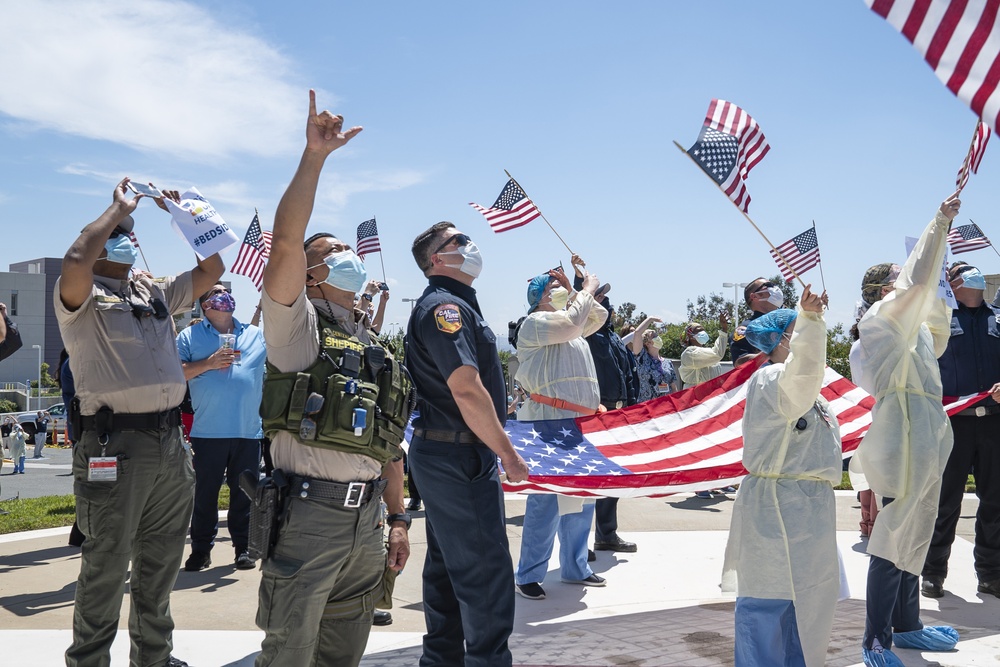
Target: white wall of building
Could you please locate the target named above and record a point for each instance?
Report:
(28, 291)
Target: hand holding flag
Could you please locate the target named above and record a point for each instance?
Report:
(977, 148)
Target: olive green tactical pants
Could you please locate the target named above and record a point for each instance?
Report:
(318, 590)
(140, 517)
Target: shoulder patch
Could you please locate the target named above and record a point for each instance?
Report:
(740, 333)
(448, 318)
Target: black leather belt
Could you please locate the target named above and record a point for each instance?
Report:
(612, 405)
(146, 421)
(348, 494)
(979, 411)
(458, 437)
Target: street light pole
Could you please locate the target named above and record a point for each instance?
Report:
(38, 406)
(736, 301)
(412, 302)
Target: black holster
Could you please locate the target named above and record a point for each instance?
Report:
(267, 496)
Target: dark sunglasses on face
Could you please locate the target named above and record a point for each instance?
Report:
(220, 290)
(764, 287)
(460, 241)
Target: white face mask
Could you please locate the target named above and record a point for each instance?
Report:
(702, 337)
(775, 297)
(559, 297)
(472, 261)
(655, 343)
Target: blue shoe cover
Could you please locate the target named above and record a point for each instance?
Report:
(880, 657)
(930, 638)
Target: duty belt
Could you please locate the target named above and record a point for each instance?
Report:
(137, 421)
(348, 494)
(979, 411)
(458, 437)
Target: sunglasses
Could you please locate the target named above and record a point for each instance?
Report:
(307, 428)
(460, 241)
(220, 290)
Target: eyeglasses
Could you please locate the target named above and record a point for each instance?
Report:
(307, 428)
(460, 241)
(220, 290)
(764, 286)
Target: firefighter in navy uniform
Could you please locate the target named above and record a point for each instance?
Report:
(451, 351)
(333, 400)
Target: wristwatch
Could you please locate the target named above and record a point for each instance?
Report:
(404, 517)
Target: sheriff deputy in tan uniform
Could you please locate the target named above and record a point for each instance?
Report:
(318, 587)
(132, 473)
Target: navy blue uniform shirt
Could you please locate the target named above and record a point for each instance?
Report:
(447, 331)
(738, 344)
(971, 363)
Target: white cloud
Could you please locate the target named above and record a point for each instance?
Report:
(161, 75)
(336, 196)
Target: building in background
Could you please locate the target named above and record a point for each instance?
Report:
(27, 290)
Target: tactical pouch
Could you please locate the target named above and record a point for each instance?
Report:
(265, 509)
(337, 422)
(384, 595)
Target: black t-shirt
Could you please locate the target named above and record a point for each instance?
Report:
(41, 424)
(447, 331)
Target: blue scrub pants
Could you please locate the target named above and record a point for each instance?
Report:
(468, 597)
(216, 459)
(767, 634)
(892, 601)
(541, 523)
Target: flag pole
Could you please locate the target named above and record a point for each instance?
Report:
(984, 236)
(143, 255)
(822, 279)
(967, 163)
(381, 261)
(542, 215)
(776, 251)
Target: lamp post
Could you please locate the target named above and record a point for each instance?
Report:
(736, 300)
(39, 405)
(412, 302)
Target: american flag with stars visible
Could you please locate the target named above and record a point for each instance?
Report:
(975, 156)
(801, 253)
(511, 209)
(967, 238)
(691, 440)
(729, 146)
(958, 39)
(367, 238)
(253, 254)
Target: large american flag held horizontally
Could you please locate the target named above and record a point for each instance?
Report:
(801, 253)
(511, 209)
(967, 238)
(691, 440)
(975, 155)
(254, 251)
(367, 238)
(729, 146)
(958, 39)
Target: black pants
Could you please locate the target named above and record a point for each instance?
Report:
(215, 460)
(977, 447)
(606, 523)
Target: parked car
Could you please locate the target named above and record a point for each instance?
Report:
(57, 423)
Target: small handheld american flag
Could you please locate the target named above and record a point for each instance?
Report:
(254, 251)
(975, 156)
(967, 238)
(367, 238)
(801, 253)
(511, 209)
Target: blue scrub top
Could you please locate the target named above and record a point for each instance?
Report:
(226, 402)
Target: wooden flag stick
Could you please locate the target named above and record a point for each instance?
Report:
(542, 215)
(763, 236)
(822, 279)
(984, 236)
(382, 261)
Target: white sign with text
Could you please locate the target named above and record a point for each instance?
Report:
(199, 223)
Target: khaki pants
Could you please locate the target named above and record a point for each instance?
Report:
(141, 517)
(318, 590)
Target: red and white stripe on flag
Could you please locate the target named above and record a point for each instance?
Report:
(752, 147)
(797, 255)
(960, 40)
(975, 156)
(512, 209)
(692, 440)
(254, 251)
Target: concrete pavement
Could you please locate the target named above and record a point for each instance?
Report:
(662, 605)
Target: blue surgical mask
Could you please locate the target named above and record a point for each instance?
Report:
(973, 279)
(702, 337)
(121, 250)
(347, 272)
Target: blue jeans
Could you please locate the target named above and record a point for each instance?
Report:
(215, 458)
(19, 464)
(468, 599)
(541, 523)
(767, 634)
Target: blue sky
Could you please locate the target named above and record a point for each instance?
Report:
(579, 100)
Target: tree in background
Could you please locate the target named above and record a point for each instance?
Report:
(838, 347)
(625, 316)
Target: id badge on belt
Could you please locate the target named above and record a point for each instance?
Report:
(102, 469)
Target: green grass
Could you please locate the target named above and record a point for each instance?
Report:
(845, 484)
(53, 512)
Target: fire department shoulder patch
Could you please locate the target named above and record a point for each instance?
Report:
(448, 318)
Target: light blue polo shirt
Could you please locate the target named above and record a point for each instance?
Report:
(226, 402)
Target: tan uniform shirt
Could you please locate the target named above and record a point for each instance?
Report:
(128, 364)
(292, 337)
